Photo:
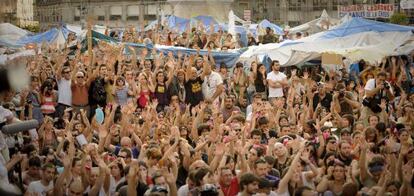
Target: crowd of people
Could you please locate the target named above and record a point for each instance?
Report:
(201, 37)
(180, 125)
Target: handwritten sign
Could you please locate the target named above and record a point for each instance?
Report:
(367, 11)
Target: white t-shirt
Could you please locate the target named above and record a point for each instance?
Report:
(183, 190)
(370, 85)
(65, 92)
(37, 187)
(210, 84)
(275, 92)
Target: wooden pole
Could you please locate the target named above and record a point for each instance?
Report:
(89, 35)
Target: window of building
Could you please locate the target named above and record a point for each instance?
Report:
(100, 13)
(133, 12)
(115, 13)
(320, 5)
(150, 17)
(294, 5)
(77, 14)
(335, 4)
(382, 1)
(294, 23)
(244, 5)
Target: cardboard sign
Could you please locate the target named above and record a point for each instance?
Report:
(331, 59)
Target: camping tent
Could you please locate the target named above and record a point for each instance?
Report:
(358, 38)
(322, 23)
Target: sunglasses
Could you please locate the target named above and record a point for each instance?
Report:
(80, 77)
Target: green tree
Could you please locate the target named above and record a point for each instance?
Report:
(399, 18)
(32, 28)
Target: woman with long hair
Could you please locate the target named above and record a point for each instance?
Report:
(145, 89)
(48, 98)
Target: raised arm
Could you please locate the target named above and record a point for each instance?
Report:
(362, 160)
(283, 184)
(59, 187)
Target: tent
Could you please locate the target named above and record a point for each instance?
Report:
(322, 23)
(206, 20)
(265, 23)
(10, 34)
(73, 29)
(53, 36)
(358, 38)
(360, 25)
(175, 22)
(239, 29)
(151, 25)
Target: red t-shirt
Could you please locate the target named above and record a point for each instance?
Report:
(231, 190)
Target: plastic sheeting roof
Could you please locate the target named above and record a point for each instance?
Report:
(358, 25)
(265, 23)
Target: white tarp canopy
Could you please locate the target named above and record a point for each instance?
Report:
(356, 39)
(322, 23)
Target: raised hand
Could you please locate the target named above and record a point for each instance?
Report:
(220, 149)
(407, 170)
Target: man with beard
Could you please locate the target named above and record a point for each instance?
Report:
(345, 152)
(194, 94)
(261, 169)
(276, 80)
(249, 184)
(41, 187)
(229, 108)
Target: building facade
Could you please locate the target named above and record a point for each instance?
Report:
(17, 12)
(295, 12)
(219, 9)
(112, 13)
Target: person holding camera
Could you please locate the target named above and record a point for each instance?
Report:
(377, 90)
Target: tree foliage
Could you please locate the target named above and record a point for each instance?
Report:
(32, 28)
(399, 18)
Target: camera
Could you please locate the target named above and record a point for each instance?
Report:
(141, 120)
(341, 94)
(386, 85)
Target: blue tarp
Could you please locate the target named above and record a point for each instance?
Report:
(265, 23)
(47, 36)
(229, 58)
(66, 31)
(178, 23)
(239, 29)
(151, 25)
(206, 20)
(359, 25)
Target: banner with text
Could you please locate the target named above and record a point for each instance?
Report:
(367, 11)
